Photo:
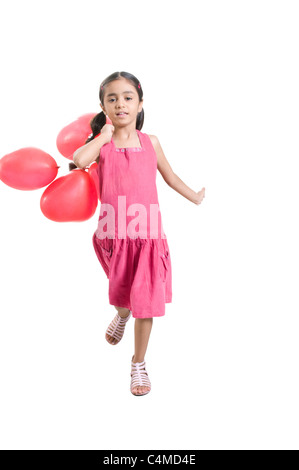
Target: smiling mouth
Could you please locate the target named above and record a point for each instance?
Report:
(121, 114)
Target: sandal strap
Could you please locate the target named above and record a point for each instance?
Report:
(117, 326)
(139, 376)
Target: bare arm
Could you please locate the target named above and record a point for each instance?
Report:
(179, 186)
(171, 178)
(89, 152)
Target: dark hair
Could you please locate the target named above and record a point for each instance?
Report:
(99, 120)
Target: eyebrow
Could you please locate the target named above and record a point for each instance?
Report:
(112, 94)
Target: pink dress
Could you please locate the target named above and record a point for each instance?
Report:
(130, 242)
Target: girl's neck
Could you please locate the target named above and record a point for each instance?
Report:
(125, 135)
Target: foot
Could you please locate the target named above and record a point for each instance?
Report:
(141, 376)
(115, 330)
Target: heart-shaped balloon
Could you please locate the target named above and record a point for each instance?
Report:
(74, 135)
(70, 198)
(28, 168)
(93, 171)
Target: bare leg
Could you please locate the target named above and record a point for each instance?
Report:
(143, 327)
(122, 312)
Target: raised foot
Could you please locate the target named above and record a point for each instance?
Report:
(115, 330)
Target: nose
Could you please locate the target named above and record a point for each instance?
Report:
(120, 104)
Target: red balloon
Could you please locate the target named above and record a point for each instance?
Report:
(74, 135)
(108, 120)
(93, 171)
(28, 168)
(70, 198)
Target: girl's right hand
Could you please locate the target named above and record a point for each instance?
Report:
(107, 131)
(200, 195)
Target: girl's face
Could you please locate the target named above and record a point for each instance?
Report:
(121, 97)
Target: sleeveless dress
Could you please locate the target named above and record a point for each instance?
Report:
(129, 241)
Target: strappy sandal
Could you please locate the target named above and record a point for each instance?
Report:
(117, 327)
(139, 377)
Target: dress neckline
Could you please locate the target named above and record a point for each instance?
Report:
(134, 149)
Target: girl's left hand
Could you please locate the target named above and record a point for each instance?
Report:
(200, 196)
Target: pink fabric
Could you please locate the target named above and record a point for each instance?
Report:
(135, 256)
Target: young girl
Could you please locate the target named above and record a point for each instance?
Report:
(133, 251)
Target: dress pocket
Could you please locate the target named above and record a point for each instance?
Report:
(107, 252)
(164, 260)
(104, 251)
(107, 255)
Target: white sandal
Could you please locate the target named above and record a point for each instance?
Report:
(139, 377)
(117, 327)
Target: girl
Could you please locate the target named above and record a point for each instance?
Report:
(136, 262)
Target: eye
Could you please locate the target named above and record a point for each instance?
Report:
(128, 98)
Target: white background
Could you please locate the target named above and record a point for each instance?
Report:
(220, 82)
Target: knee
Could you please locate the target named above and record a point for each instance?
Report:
(122, 309)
